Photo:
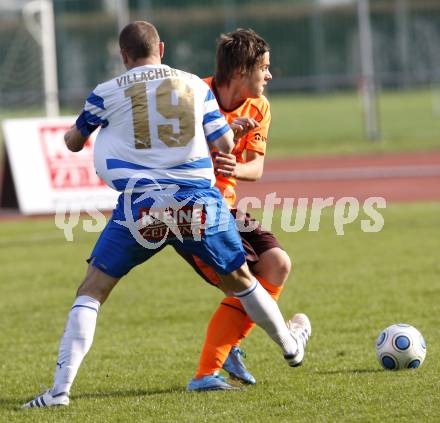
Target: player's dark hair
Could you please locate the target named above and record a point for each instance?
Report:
(139, 39)
(238, 50)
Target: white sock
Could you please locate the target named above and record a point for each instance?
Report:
(264, 311)
(75, 342)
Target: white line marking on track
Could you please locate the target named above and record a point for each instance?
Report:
(372, 172)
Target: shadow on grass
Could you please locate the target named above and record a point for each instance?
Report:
(15, 404)
(128, 393)
(12, 404)
(347, 371)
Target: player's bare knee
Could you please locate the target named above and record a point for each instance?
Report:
(238, 280)
(93, 292)
(245, 275)
(274, 266)
(284, 265)
(97, 284)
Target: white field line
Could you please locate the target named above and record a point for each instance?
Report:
(373, 172)
(30, 239)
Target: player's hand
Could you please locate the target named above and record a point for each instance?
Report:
(225, 164)
(242, 125)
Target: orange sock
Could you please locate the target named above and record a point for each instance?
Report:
(227, 327)
(273, 290)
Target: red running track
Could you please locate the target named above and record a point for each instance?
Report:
(396, 177)
(402, 177)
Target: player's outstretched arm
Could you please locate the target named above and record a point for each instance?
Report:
(224, 143)
(250, 170)
(74, 139)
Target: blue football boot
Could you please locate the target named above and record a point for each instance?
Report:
(213, 382)
(235, 367)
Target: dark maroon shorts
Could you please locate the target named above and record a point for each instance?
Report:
(255, 243)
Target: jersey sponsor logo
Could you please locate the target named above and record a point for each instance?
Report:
(66, 169)
(168, 223)
(160, 199)
(260, 137)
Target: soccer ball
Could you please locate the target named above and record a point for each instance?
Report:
(400, 346)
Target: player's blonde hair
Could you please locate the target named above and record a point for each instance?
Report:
(139, 39)
(239, 50)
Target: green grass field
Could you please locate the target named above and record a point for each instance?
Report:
(150, 331)
(332, 124)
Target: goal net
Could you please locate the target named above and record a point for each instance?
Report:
(24, 81)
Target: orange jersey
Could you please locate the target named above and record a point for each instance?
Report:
(255, 140)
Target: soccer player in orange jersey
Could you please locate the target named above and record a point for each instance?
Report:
(242, 72)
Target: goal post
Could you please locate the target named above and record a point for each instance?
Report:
(368, 84)
(39, 20)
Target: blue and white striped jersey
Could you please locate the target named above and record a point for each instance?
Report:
(155, 121)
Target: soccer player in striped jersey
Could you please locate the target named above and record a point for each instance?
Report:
(158, 125)
(242, 72)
